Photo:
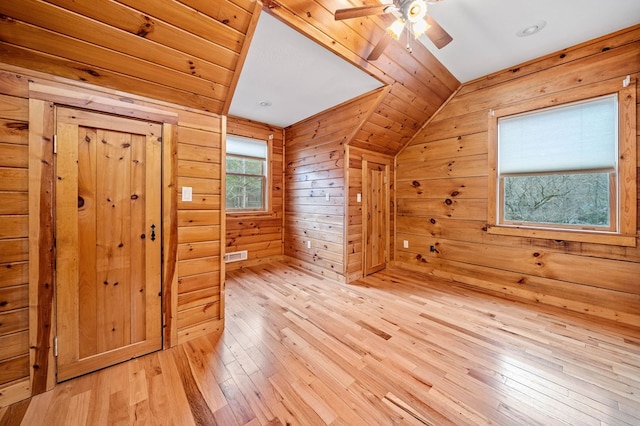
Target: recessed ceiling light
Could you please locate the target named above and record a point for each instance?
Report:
(264, 104)
(531, 29)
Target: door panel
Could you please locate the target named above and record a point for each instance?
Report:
(108, 281)
(376, 217)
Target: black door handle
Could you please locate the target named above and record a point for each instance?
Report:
(153, 232)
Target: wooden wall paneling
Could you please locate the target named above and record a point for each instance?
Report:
(40, 40)
(134, 21)
(15, 379)
(318, 165)
(442, 205)
(199, 224)
(307, 207)
(25, 58)
(261, 234)
(119, 45)
(60, 20)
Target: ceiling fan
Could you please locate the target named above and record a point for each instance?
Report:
(410, 13)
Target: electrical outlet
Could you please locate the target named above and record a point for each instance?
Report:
(326, 196)
(308, 244)
(405, 244)
(359, 197)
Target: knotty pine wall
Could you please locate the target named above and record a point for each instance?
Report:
(193, 272)
(315, 166)
(441, 191)
(261, 234)
(14, 242)
(200, 266)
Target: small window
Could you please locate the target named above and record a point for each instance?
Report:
(246, 175)
(563, 166)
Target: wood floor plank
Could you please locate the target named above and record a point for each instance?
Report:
(392, 348)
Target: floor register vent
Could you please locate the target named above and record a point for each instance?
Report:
(235, 256)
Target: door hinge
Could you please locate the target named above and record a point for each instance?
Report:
(55, 144)
(55, 346)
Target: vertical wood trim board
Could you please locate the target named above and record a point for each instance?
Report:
(41, 246)
(170, 234)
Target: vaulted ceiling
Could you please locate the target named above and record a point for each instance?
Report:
(192, 52)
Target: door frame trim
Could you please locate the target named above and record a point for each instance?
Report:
(386, 161)
(43, 97)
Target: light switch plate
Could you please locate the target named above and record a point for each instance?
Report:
(187, 193)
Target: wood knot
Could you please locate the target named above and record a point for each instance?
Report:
(91, 72)
(415, 183)
(448, 202)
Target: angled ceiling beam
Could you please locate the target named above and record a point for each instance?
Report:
(251, 30)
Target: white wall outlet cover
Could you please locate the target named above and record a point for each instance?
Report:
(405, 244)
(359, 198)
(326, 196)
(308, 244)
(187, 193)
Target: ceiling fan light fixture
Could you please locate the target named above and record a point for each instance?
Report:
(419, 28)
(415, 11)
(396, 28)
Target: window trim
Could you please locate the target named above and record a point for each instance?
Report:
(625, 235)
(266, 179)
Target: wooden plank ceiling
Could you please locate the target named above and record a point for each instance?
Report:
(190, 52)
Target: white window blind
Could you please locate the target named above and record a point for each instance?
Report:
(245, 147)
(574, 137)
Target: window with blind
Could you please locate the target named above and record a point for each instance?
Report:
(563, 166)
(557, 166)
(246, 175)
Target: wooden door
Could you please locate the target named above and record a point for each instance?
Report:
(108, 241)
(376, 216)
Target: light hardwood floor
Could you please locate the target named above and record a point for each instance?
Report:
(394, 348)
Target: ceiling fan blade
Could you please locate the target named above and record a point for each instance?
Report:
(437, 34)
(358, 12)
(379, 48)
